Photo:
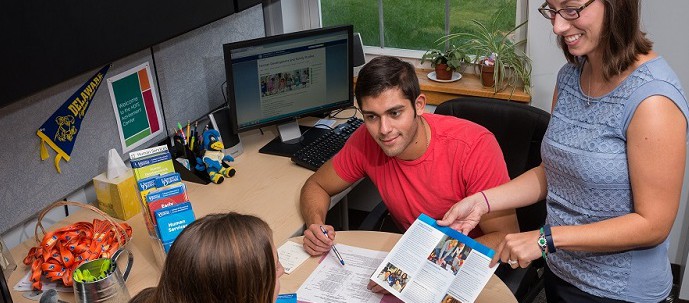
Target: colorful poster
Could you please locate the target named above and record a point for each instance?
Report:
(61, 129)
(136, 106)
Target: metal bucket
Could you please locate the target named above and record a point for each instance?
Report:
(109, 289)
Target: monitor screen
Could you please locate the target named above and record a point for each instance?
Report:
(281, 78)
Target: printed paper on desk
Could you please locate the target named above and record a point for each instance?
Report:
(432, 263)
(291, 256)
(331, 282)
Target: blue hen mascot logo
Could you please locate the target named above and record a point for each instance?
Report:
(214, 161)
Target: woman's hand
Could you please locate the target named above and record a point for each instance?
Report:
(465, 214)
(518, 250)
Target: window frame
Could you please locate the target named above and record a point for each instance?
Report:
(282, 15)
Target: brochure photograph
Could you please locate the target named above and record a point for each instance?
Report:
(435, 264)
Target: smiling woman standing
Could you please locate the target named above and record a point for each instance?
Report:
(613, 163)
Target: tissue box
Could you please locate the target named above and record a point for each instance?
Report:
(118, 197)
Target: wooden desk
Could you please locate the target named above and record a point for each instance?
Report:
(265, 186)
(495, 290)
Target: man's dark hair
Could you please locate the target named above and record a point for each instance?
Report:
(383, 73)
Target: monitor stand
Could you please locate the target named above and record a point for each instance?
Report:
(295, 137)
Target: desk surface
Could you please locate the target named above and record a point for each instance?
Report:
(265, 186)
(495, 290)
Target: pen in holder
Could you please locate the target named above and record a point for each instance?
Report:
(185, 160)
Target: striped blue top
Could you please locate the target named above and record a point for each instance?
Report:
(584, 153)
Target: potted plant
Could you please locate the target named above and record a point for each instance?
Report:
(497, 56)
(445, 62)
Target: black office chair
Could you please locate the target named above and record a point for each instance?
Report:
(519, 130)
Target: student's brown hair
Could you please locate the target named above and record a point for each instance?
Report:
(218, 258)
(383, 73)
(621, 38)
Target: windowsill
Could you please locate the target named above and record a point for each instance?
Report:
(396, 52)
(409, 55)
(468, 85)
(436, 92)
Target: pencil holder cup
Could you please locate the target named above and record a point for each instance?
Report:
(112, 288)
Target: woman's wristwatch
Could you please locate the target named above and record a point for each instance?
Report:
(549, 238)
(543, 244)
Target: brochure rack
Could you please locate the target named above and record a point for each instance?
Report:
(163, 197)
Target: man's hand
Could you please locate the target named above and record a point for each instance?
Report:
(465, 214)
(374, 287)
(315, 242)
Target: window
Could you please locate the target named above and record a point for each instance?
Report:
(414, 24)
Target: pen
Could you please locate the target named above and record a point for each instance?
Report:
(188, 129)
(195, 135)
(337, 253)
(184, 139)
(191, 142)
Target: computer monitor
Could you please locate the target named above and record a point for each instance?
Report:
(278, 79)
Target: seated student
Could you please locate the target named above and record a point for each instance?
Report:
(227, 258)
(420, 162)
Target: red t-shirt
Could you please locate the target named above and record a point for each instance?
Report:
(463, 158)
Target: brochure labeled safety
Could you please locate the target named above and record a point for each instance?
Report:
(434, 264)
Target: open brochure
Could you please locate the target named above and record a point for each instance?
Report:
(434, 264)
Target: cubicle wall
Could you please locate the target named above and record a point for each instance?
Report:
(188, 71)
(191, 68)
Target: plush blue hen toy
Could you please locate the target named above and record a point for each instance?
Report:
(214, 161)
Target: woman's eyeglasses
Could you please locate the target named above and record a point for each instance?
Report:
(567, 13)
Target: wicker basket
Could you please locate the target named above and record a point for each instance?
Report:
(59, 252)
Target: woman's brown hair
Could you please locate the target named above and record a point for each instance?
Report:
(218, 258)
(621, 38)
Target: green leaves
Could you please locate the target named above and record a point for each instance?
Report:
(511, 64)
(85, 275)
(453, 57)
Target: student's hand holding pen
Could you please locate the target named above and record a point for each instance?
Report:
(316, 242)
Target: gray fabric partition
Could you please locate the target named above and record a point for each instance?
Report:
(189, 69)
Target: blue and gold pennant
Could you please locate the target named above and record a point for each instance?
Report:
(61, 129)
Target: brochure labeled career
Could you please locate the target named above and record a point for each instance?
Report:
(434, 264)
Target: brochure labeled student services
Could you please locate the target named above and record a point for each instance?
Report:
(434, 264)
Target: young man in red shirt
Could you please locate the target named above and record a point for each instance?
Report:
(420, 162)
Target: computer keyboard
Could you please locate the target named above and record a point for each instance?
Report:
(320, 150)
